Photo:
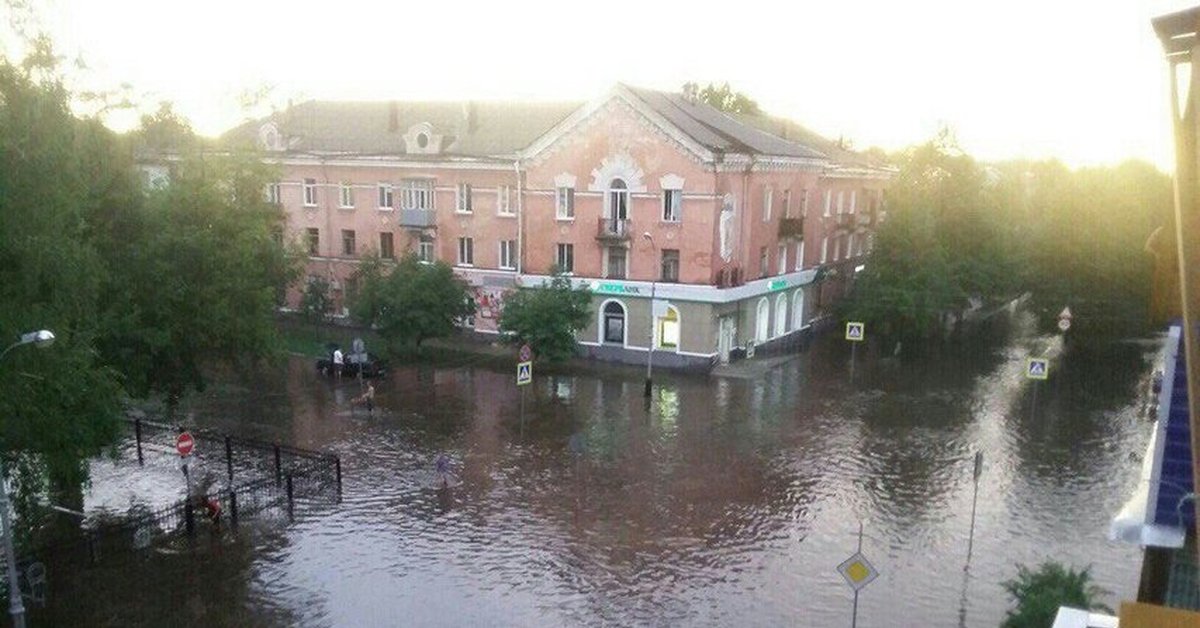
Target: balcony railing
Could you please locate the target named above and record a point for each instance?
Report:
(420, 218)
(613, 229)
(791, 228)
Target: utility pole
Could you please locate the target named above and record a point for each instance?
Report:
(1180, 36)
(653, 321)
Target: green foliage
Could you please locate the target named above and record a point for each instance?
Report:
(957, 232)
(547, 318)
(1039, 594)
(316, 301)
(411, 301)
(722, 97)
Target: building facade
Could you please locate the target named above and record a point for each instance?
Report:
(744, 230)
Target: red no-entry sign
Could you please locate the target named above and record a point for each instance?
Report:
(185, 443)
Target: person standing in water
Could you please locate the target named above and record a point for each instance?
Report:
(443, 471)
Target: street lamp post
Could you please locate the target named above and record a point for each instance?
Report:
(16, 607)
(650, 353)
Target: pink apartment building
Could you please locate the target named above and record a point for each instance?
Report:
(744, 228)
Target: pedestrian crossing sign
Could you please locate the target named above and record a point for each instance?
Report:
(524, 373)
(1038, 368)
(855, 332)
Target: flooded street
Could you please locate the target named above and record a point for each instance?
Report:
(730, 501)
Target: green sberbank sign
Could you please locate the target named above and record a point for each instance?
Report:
(609, 287)
(778, 284)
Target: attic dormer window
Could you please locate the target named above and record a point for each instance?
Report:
(420, 139)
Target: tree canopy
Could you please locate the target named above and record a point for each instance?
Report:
(410, 302)
(547, 317)
(722, 97)
(1039, 594)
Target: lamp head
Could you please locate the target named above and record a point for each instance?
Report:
(646, 235)
(42, 338)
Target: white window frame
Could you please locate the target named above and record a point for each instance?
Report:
(850, 246)
(672, 205)
(504, 201)
(417, 194)
(762, 321)
(310, 192)
(422, 247)
(787, 203)
(386, 196)
(462, 199)
(780, 328)
(803, 202)
(564, 203)
(559, 249)
(781, 263)
(800, 255)
(824, 249)
(466, 251)
(353, 240)
(508, 249)
(837, 248)
(274, 196)
(853, 200)
(798, 309)
(768, 197)
(345, 196)
(828, 202)
(841, 202)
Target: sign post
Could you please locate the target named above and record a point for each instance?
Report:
(184, 444)
(855, 332)
(524, 375)
(974, 501)
(1037, 369)
(858, 573)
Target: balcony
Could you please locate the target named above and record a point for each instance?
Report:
(417, 218)
(865, 218)
(613, 229)
(791, 228)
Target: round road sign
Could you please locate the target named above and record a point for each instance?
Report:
(526, 353)
(1064, 324)
(185, 443)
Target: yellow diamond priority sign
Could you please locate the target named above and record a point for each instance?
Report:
(857, 571)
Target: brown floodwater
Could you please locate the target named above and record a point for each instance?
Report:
(729, 501)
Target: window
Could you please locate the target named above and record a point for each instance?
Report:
(418, 194)
(565, 204)
(504, 200)
(798, 309)
(804, 202)
(314, 241)
(824, 249)
(508, 254)
(762, 319)
(841, 204)
(466, 252)
(668, 330)
(800, 255)
(385, 196)
(616, 263)
(310, 192)
(348, 242)
(768, 196)
(850, 246)
(462, 198)
(425, 250)
(763, 263)
(613, 329)
(386, 250)
(781, 319)
(787, 203)
(837, 248)
(273, 196)
(781, 262)
(670, 264)
(618, 200)
(828, 203)
(566, 258)
(672, 199)
(345, 196)
(853, 200)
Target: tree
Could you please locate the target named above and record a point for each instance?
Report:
(1039, 594)
(316, 301)
(547, 317)
(195, 277)
(722, 97)
(412, 301)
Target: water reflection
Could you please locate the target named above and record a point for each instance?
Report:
(725, 501)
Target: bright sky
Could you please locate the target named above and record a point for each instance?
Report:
(1076, 79)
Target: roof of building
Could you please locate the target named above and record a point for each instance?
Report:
(468, 128)
(483, 129)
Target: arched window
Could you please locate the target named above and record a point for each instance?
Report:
(762, 329)
(612, 323)
(668, 330)
(781, 319)
(798, 309)
(618, 200)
